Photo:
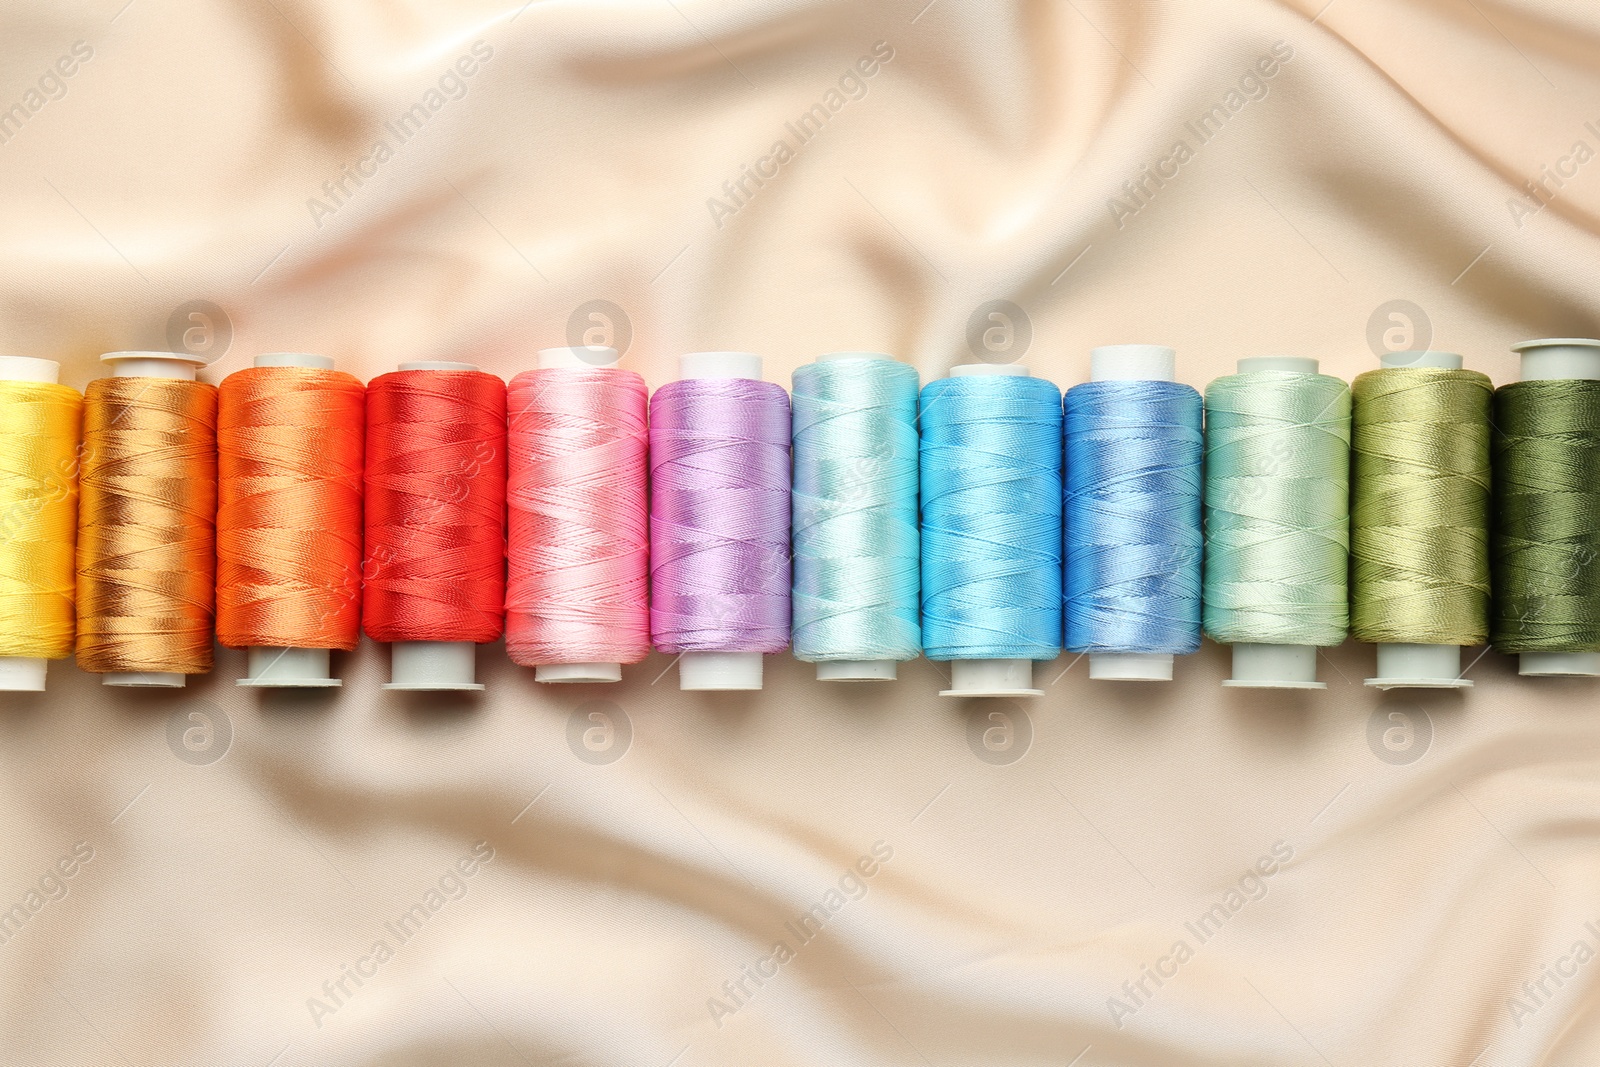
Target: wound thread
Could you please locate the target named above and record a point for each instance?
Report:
(1419, 533)
(719, 516)
(1133, 482)
(1277, 508)
(39, 427)
(1546, 544)
(146, 526)
(579, 550)
(991, 518)
(290, 442)
(434, 568)
(857, 551)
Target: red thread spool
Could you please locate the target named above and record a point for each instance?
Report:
(436, 501)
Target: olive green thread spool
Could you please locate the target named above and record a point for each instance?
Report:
(1546, 545)
(1420, 517)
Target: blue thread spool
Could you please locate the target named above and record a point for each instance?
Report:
(991, 527)
(1132, 576)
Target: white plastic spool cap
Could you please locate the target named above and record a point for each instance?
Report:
(972, 678)
(695, 365)
(581, 358)
(1131, 363)
(577, 358)
(1413, 666)
(178, 367)
(1559, 359)
(991, 677)
(433, 666)
(1261, 666)
(712, 671)
(289, 668)
(860, 670)
(25, 674)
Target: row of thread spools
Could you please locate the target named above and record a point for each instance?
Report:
(984, 519)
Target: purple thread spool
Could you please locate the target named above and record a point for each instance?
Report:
(719, 520)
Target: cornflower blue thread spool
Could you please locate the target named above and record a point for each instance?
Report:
(1134, 447)
(991, 527)
(857, 552)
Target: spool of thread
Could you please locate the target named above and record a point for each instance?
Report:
(1134, 448)
(290, 437)
(856, 546)
(147, 521)
(991, 527)
(1545, 554)
(435, 521)
(1277, 519)
(578, 591)
(719, 520)
(40, 422)
(1419, 518)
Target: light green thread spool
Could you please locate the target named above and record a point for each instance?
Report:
(1419, 532)
(1277, 510)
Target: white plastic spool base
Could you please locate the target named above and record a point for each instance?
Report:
(288, 668)
(26, 674)
(178, 367)
(1130, 666)
(577, 358)
(1559, 359)
(1558, 664)
(1133, 363)
(858, 670)
(433, 666)
(577, 673)
(22, 674)
(1258, 666)
(972, 678)
(705, 672)
(1407, 666)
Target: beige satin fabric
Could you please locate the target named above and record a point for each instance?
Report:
(1115, 875)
